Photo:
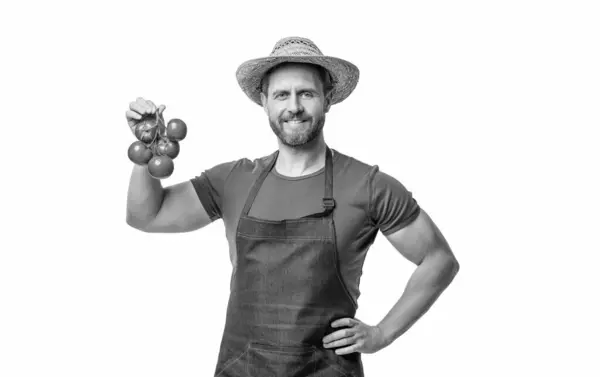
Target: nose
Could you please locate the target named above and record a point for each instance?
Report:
(294, 105)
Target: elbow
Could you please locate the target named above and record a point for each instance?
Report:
(453, 262)
(452, 268)
(441, 266)
(448, 267)
(455, 268)
(135, 223)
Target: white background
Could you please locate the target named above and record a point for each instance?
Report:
(486, 111)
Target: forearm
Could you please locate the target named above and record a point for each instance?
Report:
(425, 285)
(144, 197)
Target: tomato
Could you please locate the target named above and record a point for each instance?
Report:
(161, 147)
(167, 148)
(172, 149)
(161, 167)
(146, 130)
(176, 130)
(139, 153)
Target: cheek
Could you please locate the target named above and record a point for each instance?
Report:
(315, 110)
(275, 110)
(272, 112)
(316, 105)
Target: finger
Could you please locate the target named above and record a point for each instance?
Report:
(153, 107)
(348, 322)
(346, 350)
(144, 105)
(161, 108)
(142, 110)
(340, 334)
(132, 115)
(341, 342)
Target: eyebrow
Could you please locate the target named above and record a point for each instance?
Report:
(283, 91)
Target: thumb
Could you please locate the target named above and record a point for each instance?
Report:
(161, 108)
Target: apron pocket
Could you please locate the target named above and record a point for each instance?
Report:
(236, 366)
(343, 367)
(265, 360)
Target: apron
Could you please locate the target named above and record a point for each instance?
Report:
(286, 290)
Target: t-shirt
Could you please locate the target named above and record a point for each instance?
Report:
(367, 201)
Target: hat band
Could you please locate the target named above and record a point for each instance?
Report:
(295, 50)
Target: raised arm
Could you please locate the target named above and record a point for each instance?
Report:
(152, 208)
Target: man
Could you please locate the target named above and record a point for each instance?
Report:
(299, 223)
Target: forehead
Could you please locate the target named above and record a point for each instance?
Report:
(294, 74)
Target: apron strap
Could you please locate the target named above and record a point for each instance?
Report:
(328, 201)
(258, 182)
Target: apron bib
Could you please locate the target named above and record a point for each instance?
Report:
(286, 290)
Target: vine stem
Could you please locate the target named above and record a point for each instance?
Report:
(151, 143)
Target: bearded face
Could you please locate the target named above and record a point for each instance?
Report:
(296, 129)
(295, 104)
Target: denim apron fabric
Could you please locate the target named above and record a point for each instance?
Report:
(285, 291)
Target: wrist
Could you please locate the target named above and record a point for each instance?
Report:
(387, 335)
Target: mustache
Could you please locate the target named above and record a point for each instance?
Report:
(294, 119)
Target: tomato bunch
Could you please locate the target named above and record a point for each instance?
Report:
(157, 144)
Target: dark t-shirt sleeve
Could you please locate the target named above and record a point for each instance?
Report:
(392, 206)
(210, 187)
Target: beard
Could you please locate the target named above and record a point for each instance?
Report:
(297, 137)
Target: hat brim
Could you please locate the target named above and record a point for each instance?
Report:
(344, 74)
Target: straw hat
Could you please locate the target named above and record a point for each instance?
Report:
(344, 75)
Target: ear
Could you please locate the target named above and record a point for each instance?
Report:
(263, 99)
(327, 104)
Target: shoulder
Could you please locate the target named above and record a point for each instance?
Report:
(353, 180)
(351, 169)
(245, 166)
(242, 169)
(369, 172)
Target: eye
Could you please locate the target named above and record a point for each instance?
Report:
(307, 94)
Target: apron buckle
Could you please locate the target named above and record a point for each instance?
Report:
(328, 203)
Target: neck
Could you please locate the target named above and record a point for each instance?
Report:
(302, 160)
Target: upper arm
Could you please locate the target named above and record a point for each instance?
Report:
(181, 211)
(420, 239)
(193, 204)
(403, 222)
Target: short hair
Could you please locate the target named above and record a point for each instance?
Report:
(324, 75)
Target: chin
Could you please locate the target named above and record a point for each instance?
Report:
(291, 140)
(294, 142)
(296, 139)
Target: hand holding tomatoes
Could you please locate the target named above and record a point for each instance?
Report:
(142, 110)
(157, 144)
